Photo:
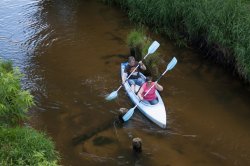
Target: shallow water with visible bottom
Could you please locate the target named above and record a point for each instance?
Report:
(70, 53)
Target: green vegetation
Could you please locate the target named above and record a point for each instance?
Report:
(139, 44)
(221, 28)
(20, 145)
(25, 146)
(136, 41)
(136, 38)
(14, 102)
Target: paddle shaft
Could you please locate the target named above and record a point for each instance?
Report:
(151, 87)
(151, 50)
(153, 47)
(170, 66)
(145, 95)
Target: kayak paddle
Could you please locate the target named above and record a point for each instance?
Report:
(153, 47)
(170, 66)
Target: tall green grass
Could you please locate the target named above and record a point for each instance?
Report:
(139, 43)
(224, 26)
(25, 146)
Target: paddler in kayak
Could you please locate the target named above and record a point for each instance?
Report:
(151, 97)
(135, 78)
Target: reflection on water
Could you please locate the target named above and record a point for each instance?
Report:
(71, 52)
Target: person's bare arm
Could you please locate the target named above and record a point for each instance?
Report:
(140, 94)
(159, 87)
(142, 66)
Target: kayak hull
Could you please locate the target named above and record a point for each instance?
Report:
(156, 113)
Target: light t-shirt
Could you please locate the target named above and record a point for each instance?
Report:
(151, 94)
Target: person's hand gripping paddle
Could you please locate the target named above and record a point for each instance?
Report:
(153, 47)
(170, 66)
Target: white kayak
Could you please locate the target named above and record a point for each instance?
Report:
(156, 113)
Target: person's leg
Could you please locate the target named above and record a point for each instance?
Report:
(153, 102)
(140, 81)
(132, 84)
(143, 80)
(146, 102)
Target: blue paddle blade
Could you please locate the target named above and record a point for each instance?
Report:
(153, 47)
(172, 64)
(112, 96)
(128, 115)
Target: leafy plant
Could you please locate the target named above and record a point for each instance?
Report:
(14, 101)
(20, 146)
(25, 146)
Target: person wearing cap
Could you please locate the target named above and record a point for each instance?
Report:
(151, 97)
(135, 78)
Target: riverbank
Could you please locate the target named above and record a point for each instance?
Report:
(20, 144)
(220, 29)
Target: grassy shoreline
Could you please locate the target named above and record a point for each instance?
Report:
(20, 145)
(220, 29)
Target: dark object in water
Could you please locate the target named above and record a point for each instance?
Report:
(102, 140)
(137, 145)
(122, 111)
(92, 132)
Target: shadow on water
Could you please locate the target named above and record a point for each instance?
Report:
(89, 134)
(115, 37)
(109, 58)
(120, 56)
